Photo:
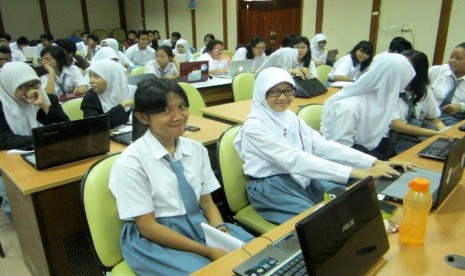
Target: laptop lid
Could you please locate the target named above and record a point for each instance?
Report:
(237, 67)
(347, 235)
(309, 88)
(331, 57)
(29, 51)
(135, 79)
(439, 149)
(126, 138)
(195, 71)
(66, 142)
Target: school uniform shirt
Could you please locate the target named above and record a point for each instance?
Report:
(93, 51)
(122, 58)
(144, 183)
(18, 118)
(214, 64)
(361, 113)
(345, 67)
(70, 78)
(317, 54)
(285, 58)
(153, 67)
(14, 46)
(17, 55)
(81, 46)
(312, 68)
(138, 56)
(441, 77)
(241, 54)
(425, 108)
(272, 143)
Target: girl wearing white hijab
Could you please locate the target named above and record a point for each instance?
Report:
(183, 48)
(109, 93)
(359, 116)
(287, 59)
(113, 44)
(290, 165)
(24, 105)
(317, 46)
(105, 53)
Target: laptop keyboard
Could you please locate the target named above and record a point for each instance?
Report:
(123, 138)
(295, 266)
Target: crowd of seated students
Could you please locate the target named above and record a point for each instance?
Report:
(396, 100)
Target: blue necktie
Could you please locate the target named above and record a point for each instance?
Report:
(187, 193)
(411, 106)
(448, 99)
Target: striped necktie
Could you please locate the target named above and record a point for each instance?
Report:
(448, 99)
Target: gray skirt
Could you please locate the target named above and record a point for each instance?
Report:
(278, 198)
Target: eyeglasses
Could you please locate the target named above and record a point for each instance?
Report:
(218, 50)
(28, 86)
(277, 93)
(260, 48)
(322, 42)
(301, 47)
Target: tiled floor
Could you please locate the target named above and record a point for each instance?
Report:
(13, 263)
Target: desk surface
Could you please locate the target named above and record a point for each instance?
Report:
(212, 82)
(209, 132)
(237, 112)
(445, 234)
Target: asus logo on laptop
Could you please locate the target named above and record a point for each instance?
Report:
(348, 225)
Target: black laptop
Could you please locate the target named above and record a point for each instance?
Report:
(126, 138)
(331, 57)
(439, 149)
(441, 184)
(344, 237)
(309, 88)
(66, 142)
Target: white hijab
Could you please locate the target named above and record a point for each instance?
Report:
(187, 48)
(380, 86)
(20, 116)
(118, 89)
(105, 53)
(284, 125)
(317, 53)
(285, 58)
(113, 44)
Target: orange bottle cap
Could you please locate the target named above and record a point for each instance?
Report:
(419, 184)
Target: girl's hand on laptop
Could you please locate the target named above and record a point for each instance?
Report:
(377, 171)
(406, 166)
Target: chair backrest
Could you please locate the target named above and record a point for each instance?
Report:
(138, 70)
(101, 212)
(322, 73)
(119, 34)
(102, 34)
(234, 180)
(195, 56)
(196, 101)
(311, 114)
(72, 108)
(228, 53)
(77, 33)
(242, 86)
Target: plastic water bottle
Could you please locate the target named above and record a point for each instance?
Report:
(417, 204)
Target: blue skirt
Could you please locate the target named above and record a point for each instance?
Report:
(148, 258)
(278, 198)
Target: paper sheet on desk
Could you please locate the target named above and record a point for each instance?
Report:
(340, 83)
(217, 239)
(18, 151)
(121, 129)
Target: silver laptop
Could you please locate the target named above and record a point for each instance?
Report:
(344, 237)
(29, 51)
(441, 184)
(237, 67)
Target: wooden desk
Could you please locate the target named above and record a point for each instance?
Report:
(209, 132)
(215, 91)
(47, 215)
(237, 112)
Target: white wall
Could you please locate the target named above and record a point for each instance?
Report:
(456, 33)
(308, 18)
(155, 16)
(18, 23)
(64, 17)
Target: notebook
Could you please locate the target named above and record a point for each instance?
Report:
(331, 57)
(237, 67)
(195, 71)
(135, 79)
(66, 142)
(126, 138)
(439, 149)
(344, 237)
(441, 184)
(309, 88)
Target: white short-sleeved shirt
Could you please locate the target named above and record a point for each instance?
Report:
(214, 64)
(241, 54)
(143, 183)
(153, 67)
(426, 108)
(324, 159)
(345, 67)
(81, 46)
(441, 82)
(17, 55)
(70, 78)
(138, 56)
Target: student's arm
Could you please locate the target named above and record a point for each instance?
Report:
(342, 69)
(50, 86)
(211, 212)
(437, 122)
(400, 126)
(91, 107)
(53, 114)
(167, 237)
(9, 140)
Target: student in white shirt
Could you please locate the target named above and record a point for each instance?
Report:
(306, 63)
(163, 210)
(82, 45)
(122, 58)
(360, 114)
(399, 44)
(289, 164)
(443, 78)
(15, 54)
(206, 39)
(172, 41)
(417, 111)
(20, 43)
(355, 63)
(183, 48)
(60, 78)
(217, 62)
(140, 53)
(163, 66)
(5, 56)
(46, 40)
(317, 47)
(254, 50)
(287, 59)
(92, 46)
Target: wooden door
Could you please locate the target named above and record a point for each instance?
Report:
(273, 20)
